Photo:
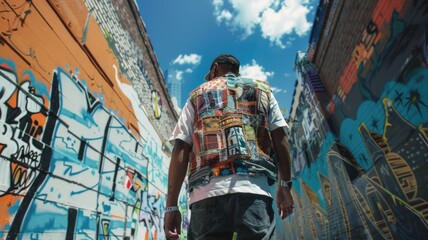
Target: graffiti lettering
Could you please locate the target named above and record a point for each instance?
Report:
(70, 167)
(28, 157)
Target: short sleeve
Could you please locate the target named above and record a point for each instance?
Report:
(184, 128)
(275, 117)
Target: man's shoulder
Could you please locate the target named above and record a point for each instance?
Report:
(258, 83)
(262, 84)
(219, 82)
(229, 81)
(196, 90)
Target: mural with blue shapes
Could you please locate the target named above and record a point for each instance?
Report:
(82, 153)
(368, 177)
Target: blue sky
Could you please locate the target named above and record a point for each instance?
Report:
(264, 35)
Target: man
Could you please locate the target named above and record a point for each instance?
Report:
(225, 134)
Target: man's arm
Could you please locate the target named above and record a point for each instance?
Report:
(282, 150)
(177, 172)
(284, 199)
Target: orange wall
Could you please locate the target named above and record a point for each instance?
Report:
(82, 150)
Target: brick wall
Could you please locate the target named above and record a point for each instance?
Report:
(366, 177)
(85, 118)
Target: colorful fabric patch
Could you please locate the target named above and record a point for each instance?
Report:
(230, 121)
(218, 113)
(253, 149)
(263, 140)
(249, 132)
(207, 113)
(231, 105)
(196, 142)
(230, 134)
(230, 82)
(223, 154)
(247, 93)
(198, 124)
(218, 83)
(263, 102)
(209, 159)
(210, 142)
(241, 167)
(195, 93)
(196, 164)
(222, 138)
(247, 107)
(250, 119)
(236, 144)
(210, 100)
(211, 124)
(262, 85)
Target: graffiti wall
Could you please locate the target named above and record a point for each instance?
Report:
(369, 178)
(83, 141)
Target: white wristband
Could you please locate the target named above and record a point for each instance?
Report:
(171, 209)
(286, 184)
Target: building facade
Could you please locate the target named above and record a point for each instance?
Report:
(85, 117)
(359, 133)
(174, 87)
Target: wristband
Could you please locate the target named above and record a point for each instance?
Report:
(171, 209)
(286, 184)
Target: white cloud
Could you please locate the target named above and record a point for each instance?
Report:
(248, 14)
(276, 18)
(192, 59)
(225, 16)
(291, 17)
(255, 71)
(218, 3)
(184, 64)
(287, 74)
(278, 90)
(245, 14)
(275, 89)
(179, 75)
(221, 14)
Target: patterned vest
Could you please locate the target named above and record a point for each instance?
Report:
(231, 134)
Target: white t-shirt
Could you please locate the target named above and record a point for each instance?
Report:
(234, 183)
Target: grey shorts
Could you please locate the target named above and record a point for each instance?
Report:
(248, 216)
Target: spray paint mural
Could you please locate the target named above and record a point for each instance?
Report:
(81, 155)
(369, 178)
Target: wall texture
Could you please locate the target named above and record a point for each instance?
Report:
(362, 166)
(84, 122)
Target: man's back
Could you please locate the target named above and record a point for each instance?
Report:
(224, 135)
(230, 129)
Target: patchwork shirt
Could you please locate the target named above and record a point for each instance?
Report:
(230, 119)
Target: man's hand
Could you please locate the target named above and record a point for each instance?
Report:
(172, 225)
(284, 202)
(284, 199)
(176, 173)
